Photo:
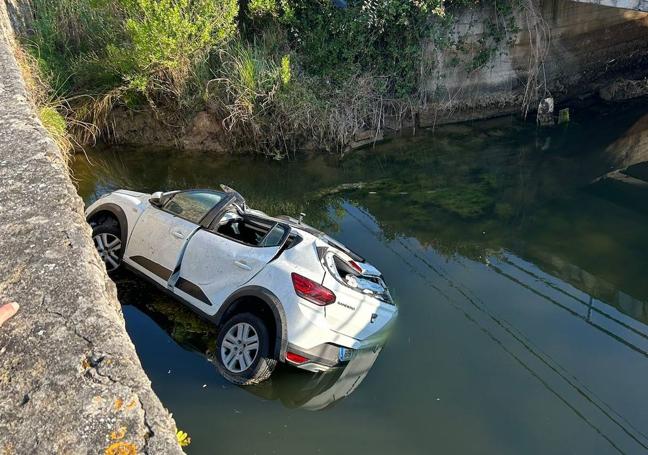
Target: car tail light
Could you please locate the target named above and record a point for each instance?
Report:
(295, 358)
(312, 291)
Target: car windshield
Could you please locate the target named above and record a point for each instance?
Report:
(193, 205)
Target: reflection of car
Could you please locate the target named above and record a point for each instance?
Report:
(318, 392)
(278, 289)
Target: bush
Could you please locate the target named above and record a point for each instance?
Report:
(378, 37)
(166, 38)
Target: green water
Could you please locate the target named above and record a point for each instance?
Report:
(522, 291)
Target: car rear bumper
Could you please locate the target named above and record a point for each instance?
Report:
(326, 356)
(317, 359)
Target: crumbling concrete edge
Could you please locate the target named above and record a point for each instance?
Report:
(70, 379)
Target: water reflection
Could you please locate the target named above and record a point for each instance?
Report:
(316, 392)
(292, 387)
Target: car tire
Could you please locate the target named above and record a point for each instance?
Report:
(236, 357)
(106, 236)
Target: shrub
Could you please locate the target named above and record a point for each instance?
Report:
(167, 37)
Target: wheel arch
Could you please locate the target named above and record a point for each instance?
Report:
(228, 308)
(117, 212)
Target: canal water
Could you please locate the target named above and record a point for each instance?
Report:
(522, 287)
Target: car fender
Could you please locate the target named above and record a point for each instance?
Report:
(117, 212)
(273, 303)
(127, 208)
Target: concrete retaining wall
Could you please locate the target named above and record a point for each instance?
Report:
(590, 46)
(637, 5)
(70, 379)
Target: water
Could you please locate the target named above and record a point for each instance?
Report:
(522, 290)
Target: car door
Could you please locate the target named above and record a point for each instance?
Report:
(214, 266)
(161, 233)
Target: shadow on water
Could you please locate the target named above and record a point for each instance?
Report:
(524, 303)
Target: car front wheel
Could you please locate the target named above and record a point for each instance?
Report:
(106, 236)
(243, 350)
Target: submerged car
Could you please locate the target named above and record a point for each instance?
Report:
(277, 289)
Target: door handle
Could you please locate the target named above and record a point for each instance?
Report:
(242, 265)
(177, 234)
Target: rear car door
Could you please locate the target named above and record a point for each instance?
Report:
(161, 233)
(215, 265)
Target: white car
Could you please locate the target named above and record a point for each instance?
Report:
(278, 289)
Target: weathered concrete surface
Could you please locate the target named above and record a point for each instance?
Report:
(588, 47)
(70, 379)
(629, 149)
(636, 5)
(624, 89)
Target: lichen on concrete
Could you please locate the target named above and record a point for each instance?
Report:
(70, 379)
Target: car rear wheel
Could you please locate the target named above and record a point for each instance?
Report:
(243, 350)
(106, 236)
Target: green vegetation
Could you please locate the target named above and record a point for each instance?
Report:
(280, 74)
(48, 106)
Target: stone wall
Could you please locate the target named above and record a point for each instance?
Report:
(70, 379)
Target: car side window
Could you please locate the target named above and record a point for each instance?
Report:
(274, 236)
(249, 230)
(192, 205)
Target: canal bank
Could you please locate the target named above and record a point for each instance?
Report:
(70, 379)
(267, 90)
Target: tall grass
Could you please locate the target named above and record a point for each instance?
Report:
(48, 107)
(277, 111)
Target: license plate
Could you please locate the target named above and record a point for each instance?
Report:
(345, 354)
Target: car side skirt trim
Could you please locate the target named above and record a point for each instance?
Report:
(192, 289)
(152, 266)
(170, 293)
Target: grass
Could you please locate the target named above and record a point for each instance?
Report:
(47, 105)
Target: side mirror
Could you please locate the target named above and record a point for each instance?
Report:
(156, 199)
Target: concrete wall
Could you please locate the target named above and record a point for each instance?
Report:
(637, 5)
(589, 47)
(70, 379)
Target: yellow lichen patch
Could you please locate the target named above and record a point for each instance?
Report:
(118, 434)
(118, 404)
(183, 438)
(131, 404)
(121, 448)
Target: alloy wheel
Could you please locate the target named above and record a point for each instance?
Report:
(108, 246)
(239, 347)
